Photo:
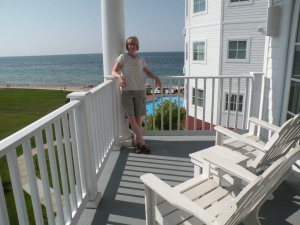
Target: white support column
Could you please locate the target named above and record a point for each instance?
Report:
(113, 32)
(113, 44)
(257, 95)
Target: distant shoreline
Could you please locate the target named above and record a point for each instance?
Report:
(74, 54)
(75, 89)
(48, 87)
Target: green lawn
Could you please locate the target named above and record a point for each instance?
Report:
(19, 108)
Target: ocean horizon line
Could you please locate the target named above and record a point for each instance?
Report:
(70, 54)
(77, 69)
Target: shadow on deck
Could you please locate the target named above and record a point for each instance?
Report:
(123, 193)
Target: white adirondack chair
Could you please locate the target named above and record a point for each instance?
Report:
(201, 200)
(257, 154)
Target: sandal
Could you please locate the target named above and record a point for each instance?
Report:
(145, 149)
(137, 149)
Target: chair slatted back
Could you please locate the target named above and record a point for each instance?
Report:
(280, 143)
(265, 184)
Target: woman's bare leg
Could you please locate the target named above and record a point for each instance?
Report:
(135, 123)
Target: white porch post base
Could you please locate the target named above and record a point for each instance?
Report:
(94, 204)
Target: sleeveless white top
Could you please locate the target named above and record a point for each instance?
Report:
(132, 70)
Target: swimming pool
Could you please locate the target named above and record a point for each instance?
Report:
(157, 101)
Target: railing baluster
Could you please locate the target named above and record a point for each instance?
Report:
(32, 180)
(115, 126)
(196, 104)
(102, 123)
(92, 114)
(81, 148)
(54, 173)
(237, 104)
(170, 106)
(98, 111)
(153, 105)
(246, 102)
(44, 176)
(204, 105)
(96, 131)
(62, 169)
(212, 103)
(162, 112)
(74, 141)
(178, 109)
(220, 108)
(105, 123)
(17, 187)
(69, 160)
(3, 207)
(109, 100)
(229, 103)
(187, 108)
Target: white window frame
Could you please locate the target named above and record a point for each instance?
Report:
(200, 12)
(248, 42)
(194, 100)
(205, 52)
(249, 2)
(226, 102)
(187, 51)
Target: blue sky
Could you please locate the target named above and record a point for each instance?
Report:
(49, 27)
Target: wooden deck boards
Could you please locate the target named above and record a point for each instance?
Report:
(122, 192)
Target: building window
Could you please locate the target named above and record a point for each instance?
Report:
(294, 100)
(239, 2)
(186, 51)
(199, 51)
(234, 105)
(197, 100)
(238, 50)
(199, 6)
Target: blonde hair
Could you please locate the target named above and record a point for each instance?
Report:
(132, 40)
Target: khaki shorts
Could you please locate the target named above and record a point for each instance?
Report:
(134, 103)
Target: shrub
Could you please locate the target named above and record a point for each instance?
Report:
(166, 115)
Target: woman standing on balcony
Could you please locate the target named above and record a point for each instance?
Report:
(129, 69)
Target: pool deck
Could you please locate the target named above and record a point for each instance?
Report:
(150, 98)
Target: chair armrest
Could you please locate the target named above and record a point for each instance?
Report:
(175, 198)
(239, 137)
(229, 166)
(264, 124)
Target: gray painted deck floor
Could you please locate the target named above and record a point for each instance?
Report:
(123, 193)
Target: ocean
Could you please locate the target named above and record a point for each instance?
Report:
(77, 70)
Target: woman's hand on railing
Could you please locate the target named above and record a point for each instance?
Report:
(157, 82)
(122, 82)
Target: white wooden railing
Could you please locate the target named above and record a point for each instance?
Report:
(72, 144)
(215, 94)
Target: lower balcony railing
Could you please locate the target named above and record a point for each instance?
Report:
(69, 146)
(200, 103)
